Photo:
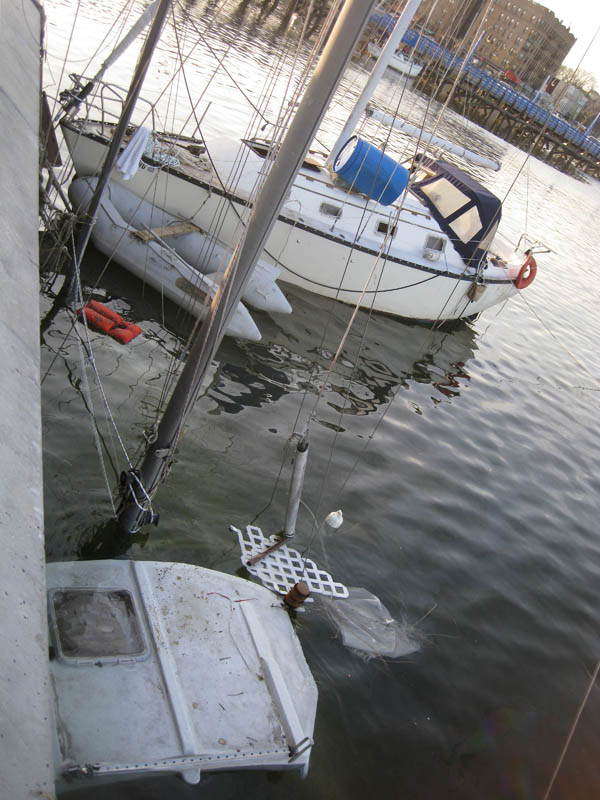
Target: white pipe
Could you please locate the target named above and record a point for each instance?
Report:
(296, 484)
(429, 140)
(135, 31)
(382, 62)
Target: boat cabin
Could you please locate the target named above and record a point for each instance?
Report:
(466, 211)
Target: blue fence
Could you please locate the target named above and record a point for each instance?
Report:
(501, 91)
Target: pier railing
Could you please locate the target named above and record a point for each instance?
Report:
(426, 47)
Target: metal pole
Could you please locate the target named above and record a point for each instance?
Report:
(384, 59)
(133, 512)
(595, 120)
(296, 487)
(117, 138)
(130, 37)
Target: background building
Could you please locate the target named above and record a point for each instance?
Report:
(519, 35)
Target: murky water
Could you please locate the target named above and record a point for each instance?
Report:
(466, 464)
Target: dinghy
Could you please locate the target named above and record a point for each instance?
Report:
(126, 229)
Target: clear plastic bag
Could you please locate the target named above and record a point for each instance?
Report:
(366, 626)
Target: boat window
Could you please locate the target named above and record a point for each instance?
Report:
(435, 243)
(386, 230)
(467, 225)
(445, 196)
(97, 624)
(330, 210)
(486, 242)
(434, 247)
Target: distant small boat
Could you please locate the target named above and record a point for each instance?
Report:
(175, 258)
(398, 62)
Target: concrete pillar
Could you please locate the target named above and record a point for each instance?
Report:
(26, 769)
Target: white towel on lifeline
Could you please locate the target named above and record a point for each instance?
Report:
(129, 159)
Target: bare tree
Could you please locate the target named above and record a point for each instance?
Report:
(584, 80)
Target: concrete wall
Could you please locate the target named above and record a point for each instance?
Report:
(26, 769)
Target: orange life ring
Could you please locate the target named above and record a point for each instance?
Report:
(521, 281)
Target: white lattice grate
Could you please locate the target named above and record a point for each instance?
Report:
(284, 567)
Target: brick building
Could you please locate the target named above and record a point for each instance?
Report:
(519, 35)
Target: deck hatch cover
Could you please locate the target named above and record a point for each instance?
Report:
(92, 625)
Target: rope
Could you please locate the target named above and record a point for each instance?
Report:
(571, 731)
(548, 330)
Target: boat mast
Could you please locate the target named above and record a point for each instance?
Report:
(139, 487)
(384, 59)
(131, 36)
(117, 138)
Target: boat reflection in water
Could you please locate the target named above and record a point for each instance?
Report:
(380, 356)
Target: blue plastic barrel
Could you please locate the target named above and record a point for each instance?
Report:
(370, 171)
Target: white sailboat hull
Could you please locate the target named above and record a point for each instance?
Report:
(314, 250)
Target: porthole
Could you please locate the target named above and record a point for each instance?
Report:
(386, 230)
(330, 210)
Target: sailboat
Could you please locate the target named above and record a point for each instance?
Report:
(414, 240)
(160, 667)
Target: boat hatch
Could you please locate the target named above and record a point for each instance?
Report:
(434, 247)
(465, 210)
(96, 626)
(261, 148)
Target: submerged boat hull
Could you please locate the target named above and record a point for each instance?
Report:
(173, 668)
(309, 246)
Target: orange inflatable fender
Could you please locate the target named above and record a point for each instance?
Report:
(523, 280)
(96, 319)
(107, 312)
(108, 321)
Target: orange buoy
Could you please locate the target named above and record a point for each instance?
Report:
(523, 281)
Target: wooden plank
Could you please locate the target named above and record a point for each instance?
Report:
(167, 230)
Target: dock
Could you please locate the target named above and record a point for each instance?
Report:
(502, 109)
(26, 762)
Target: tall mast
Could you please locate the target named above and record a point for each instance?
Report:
(118, 134)
(384, 59)
(134, 510)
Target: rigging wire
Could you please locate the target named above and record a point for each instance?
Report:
(572, 731)
(342, 343)
(549, 330)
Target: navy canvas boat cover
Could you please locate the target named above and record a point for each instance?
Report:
(467, 212)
